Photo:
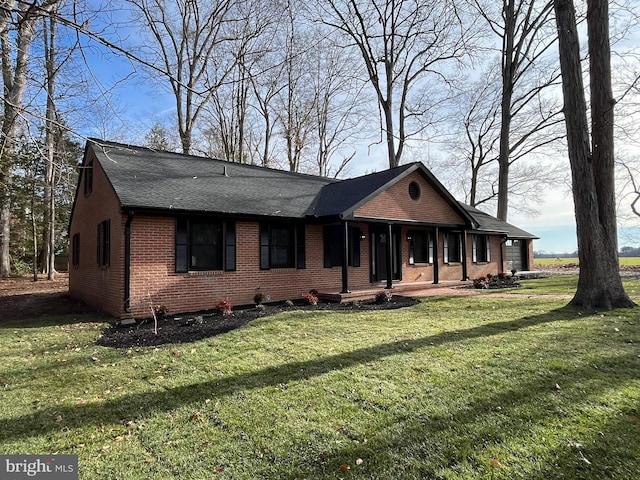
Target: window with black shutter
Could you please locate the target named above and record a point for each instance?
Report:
(420, 247)
(104, 243)
(282, 246)
(75, 250)
(203, 244)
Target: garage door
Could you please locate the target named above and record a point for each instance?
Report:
(514, 254)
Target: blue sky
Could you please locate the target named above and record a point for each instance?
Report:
(142, 103)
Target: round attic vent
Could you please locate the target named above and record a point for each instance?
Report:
(414, 190)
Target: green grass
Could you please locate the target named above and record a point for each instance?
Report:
(566, 261)
(562, 285)
(439, 390)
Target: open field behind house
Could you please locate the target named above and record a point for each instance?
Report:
(476, 387)
(543, 262)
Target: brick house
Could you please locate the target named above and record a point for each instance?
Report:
(151, 227)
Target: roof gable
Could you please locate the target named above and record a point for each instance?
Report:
(349, 198)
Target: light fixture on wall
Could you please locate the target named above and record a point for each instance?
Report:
(409, 238)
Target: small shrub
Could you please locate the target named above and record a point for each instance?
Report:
(501, 276)
(288, 303)
(224, 307)
(260, 297)
(489, 275)
(513, 272)
(480, 283)
(311, 298)
(384, 296)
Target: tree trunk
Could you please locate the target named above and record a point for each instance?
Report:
(49, 240)
(508, 76)
(599, 285)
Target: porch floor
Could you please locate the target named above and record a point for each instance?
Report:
(415, 289)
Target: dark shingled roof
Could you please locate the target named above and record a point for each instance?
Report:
(345, 196)
(491, 224)
(148, 179)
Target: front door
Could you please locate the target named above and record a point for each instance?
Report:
(380, 251)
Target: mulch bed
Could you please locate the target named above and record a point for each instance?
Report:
(197, 326)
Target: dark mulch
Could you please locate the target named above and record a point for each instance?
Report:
(193, 327)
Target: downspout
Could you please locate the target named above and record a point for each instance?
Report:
(436, 270)
(389, 256)
(465, 275)
(127, 262)
(345, 258)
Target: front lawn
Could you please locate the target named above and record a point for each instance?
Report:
(564, 285)
(453, 388)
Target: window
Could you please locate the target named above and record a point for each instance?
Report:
(333, 240)
(414, 191)
(104, 243)
(420, 247)
(205, 244)
(481, 249)
(75, 250)
(452, 251)
(282, 246)
(88, 178)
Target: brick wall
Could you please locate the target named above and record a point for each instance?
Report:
(101, 287)
(154, 281)
(395, 203)
(449, 271)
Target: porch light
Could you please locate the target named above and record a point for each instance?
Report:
(362, 236)
(409, 237)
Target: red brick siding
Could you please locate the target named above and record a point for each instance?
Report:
(480, 269)
(395, 203)
(423, 272)
(154, 281)
(101, 287)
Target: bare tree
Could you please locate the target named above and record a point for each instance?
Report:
(339, 107)
(187, 35)
(402, 43)
(296, 102)
(592, 162)
(229, 130)
(52, 125)
(17, 30)
(525, 32)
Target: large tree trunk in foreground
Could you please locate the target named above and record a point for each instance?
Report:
(592, 169)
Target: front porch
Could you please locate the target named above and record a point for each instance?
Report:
(411, 289)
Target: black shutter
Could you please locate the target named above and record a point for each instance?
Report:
(412, 248)
(230, 247)
(264, 246)
(301, 249)
(182, 244)
(99, 243)
(355, 247)
(107, 242)
(327, 235)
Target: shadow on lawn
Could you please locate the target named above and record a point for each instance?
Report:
(462, 439)
(131, 406)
